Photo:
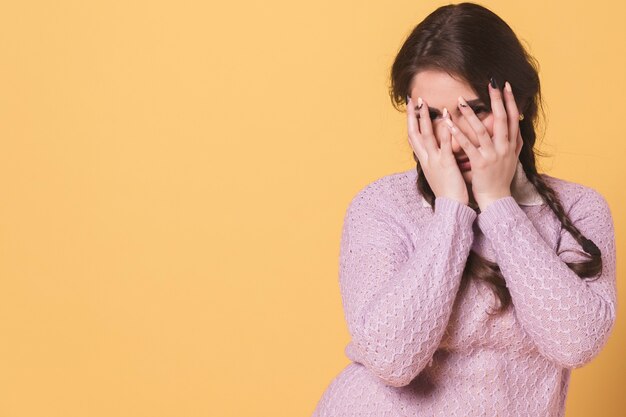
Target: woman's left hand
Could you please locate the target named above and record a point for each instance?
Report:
(494, 162)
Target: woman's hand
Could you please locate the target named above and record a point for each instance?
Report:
(438, 164)
(494, 162)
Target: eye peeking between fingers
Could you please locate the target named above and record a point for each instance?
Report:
(478, 109)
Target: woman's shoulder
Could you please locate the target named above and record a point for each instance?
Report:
(384, 204)
(391, 195)
(574, 195)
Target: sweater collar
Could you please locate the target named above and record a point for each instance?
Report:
(522, 190)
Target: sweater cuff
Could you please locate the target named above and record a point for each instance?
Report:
(450, 207)
(502, 210)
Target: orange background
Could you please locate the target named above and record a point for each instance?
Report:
(174, 176)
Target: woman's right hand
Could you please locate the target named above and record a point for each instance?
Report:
(438, 164)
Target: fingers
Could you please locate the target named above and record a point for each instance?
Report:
(421, 131)
(511, 110)
(413, 131)
(472, 152)
(446, 144)
(426, 127)
(519, 144)
(500, 126)
(476, 124)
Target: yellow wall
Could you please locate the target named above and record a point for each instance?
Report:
(173, 178)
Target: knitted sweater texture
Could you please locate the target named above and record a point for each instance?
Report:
(423, 345)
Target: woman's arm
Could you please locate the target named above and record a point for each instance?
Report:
(397, 301)
(568, 318)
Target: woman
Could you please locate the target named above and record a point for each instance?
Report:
(472, 285)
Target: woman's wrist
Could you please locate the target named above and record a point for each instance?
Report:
(484, 201)
(450, 206)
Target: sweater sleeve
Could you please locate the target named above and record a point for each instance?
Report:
(398, 300)
(568, 318)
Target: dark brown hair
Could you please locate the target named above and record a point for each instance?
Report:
(473, 44)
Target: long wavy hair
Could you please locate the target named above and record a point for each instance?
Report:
(472, 43)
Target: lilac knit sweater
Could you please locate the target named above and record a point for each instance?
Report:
(422, 346)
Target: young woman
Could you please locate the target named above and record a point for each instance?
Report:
(472, 285)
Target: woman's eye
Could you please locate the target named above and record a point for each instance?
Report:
(479, 109)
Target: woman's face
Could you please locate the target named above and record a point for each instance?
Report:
(440, 90)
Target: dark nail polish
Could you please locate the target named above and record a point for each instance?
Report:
(493, 82)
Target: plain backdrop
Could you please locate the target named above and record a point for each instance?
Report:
(174, 176)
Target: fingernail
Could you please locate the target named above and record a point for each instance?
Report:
(445, 112)
(507, 87)
(408, 99)
(493, 82)
(462, 102)
(419, 102)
